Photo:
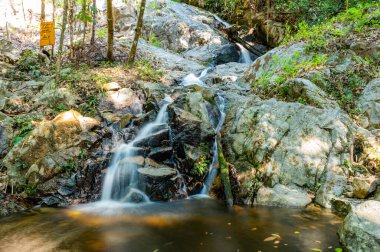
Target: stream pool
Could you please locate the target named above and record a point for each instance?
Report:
(186, 225)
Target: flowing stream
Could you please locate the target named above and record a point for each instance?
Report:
(184, 225)
(244, 55)
(121, 181)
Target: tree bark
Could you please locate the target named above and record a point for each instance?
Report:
(61, 40)
(140, 23)
(42, 10)
(84, 10)
(110, 30)
(71, 26)
(92, 42)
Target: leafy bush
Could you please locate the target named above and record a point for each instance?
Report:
(200, 167)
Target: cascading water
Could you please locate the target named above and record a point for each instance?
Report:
(224, 23)
(121, 181)
(215, 159)
(244, 55)
(192, 79)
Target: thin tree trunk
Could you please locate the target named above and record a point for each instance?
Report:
(61, 40)
(92, 42)
(110, 30)
(23, 10)
(347, 4)
(140, 23)
(52, 48)
(71, 27)
(42, 10)
(84, 10)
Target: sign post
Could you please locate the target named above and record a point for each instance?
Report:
(47, 34)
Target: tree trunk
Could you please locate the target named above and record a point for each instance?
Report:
(140, 22)
(110, 30)
(52, 48)
(71, 27)
(61, 40)
(92, 42)
(84, 10)
(42, 10)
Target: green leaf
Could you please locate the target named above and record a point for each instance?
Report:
(338, 249)
(17, 140)
(316, 249)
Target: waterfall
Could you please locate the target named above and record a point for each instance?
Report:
(224, 23)
(121, 180)
(244, 55)
(192, 79)
(215, 159)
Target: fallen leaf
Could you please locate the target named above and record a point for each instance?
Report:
(338, 249)
(276, 242)
(270, 238)
(297, 232)
(276, 235)
(316, 249)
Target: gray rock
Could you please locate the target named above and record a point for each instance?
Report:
(293, 143)
(369, 103)
(360, 231)
(363, 186)
(282, 196)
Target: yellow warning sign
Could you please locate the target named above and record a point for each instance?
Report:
(47, 33)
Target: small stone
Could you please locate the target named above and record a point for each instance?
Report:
(112, 86)
(363, 186)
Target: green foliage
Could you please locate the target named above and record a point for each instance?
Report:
(30, 190)
(69, 166)
(153, 40)
(89, 105)
(28, 60)
(356, 19)
(23, 125)
(200, 167)
(289, 67)
(101, 33)
(146, 69)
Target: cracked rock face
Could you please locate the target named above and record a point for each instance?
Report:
(369, 103)
(290, 144)
(360, 231)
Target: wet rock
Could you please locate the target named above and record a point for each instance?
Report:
(363, 186)
(282, 196)
(50, 148)
(161, 154)
(51, 201)
(370, 105)
(360, 229)
(226, 54)
(158, 139)
(229, 72)
(159, 183)
(138, 160)
(67, 187)
(342, 206)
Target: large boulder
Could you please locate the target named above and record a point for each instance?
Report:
(360, 231)
(289, 143)
(181, 27)
(282, 196)
(51, 148)
(369, 103)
